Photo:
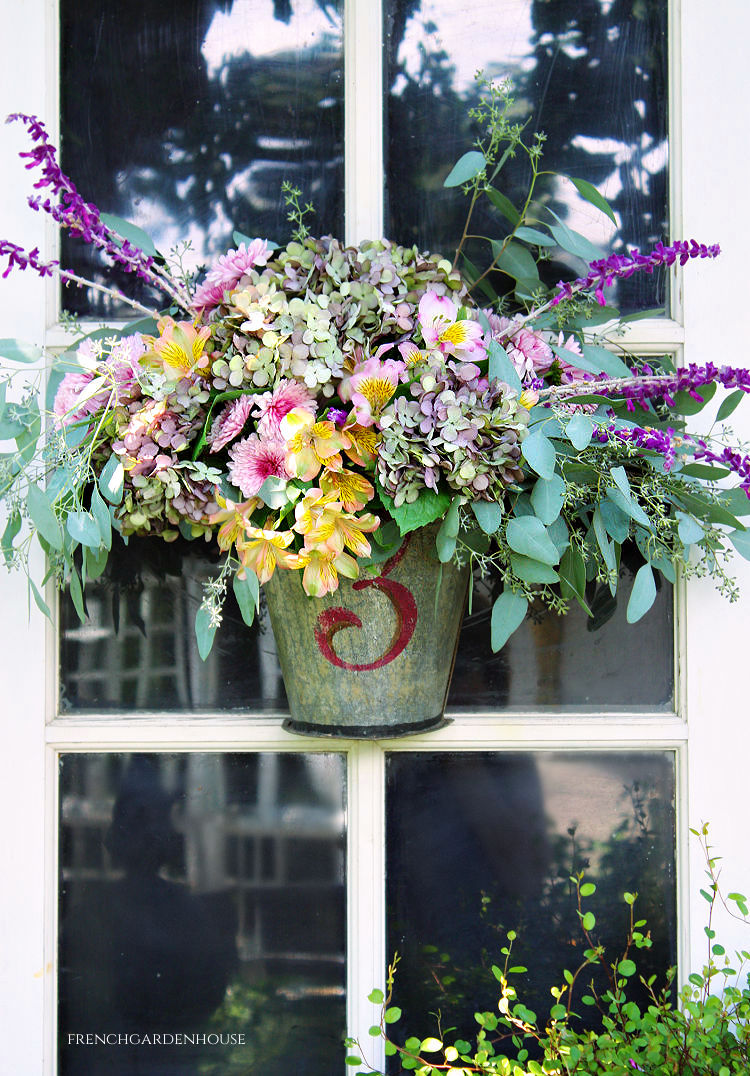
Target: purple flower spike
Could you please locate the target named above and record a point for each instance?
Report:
(603, 272)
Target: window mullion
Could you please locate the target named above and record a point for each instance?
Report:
(363, 119)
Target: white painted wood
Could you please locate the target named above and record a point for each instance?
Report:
(363, 120)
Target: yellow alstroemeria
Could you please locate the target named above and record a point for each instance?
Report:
(351, 488)
(262, 550)
(234, 519)
(322, 570)
(310, 444)
(316, 516)
(179, 347)
(363, 443)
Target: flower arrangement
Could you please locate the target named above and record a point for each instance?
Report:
(307, 406)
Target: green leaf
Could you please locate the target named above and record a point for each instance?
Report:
(591, 194)
(19, 351)
(704, 470)
(602, 360)
(431, 1045)
(642, 595)
(559, 533)
(374, 1030)
(508, 613)
(82, 527)
(204, 632)
(247, 593)
(501, 367)
(488, 514)
(628, 506)
(573, 242)
(112, 478)
(96, 562)
(741, 542)
(428, 507)
(516, 261)
(532, 571)
(685, 404)
(729, 405)
(504, 205)
(40, 602)
(572, 573)
(626, 968)
(392, 1014)
(539, 453)
(351, 1059)
(533, 235)
(589, 921)
(465, 168)
(587, 889)
(528, 536)
(547, 498)
(689, 529)
(446, 536)
(616, 522)
(603, 541)
(131, 232)
(12, 527)
(579, 431)
(376, 996)
(76, 594)
(42, 516)
(100, 513)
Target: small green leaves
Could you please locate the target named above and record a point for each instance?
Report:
(508, 613)
(465, 168)
(376, 996)
(626, 968)
(587, 889)
(588, 921)
(392, 1014)
(431, 1045)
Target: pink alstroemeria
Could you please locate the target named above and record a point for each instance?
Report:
(234, 519)
(442, 331)
(322, 570)
(230, 422)
(274, 406)
(252, 461)
(179, 347)
(226, 271)
(371, 387)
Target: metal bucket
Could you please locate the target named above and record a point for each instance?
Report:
(375, 658)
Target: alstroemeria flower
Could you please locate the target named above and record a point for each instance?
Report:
(363, 444)
(371, 387)
(442, 331)
(322, 570)
(252, 461)
(311, 445)
(179, 347)
(316, 516)
(233, 517)
(351, 488)
(411, 354)
(262, 550)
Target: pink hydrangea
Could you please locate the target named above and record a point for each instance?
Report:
(226, 271)
(230, 422)
(252, 461)
(274, 406)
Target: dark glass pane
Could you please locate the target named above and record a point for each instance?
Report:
(572, 662)
(479, 844)
(137, 649)
(590, 74)
(201, 901)
(184, 116)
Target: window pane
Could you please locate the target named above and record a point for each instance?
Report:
(185, 115)
(137, 649)
(590, 74)
(201, 896)
(479, 843)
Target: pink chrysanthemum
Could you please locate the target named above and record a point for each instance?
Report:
(252, 461)
(530, 353)
(229, 422)
(274, 406)
(66, 407)
(226, 271)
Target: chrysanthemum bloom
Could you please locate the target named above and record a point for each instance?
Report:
(234, 519)
(230, 422)
(179, 347)
(226, 272)
(371, 388)
(289, 395)
(530, 353)
(322, 569)
(351, 488)
(442, 331)
(311, 445)
(262, 550)
(117, 371)
(252, 461)
(69, 406)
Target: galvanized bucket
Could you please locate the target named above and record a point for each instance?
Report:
(375, 658)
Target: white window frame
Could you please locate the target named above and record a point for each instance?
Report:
(708, 160)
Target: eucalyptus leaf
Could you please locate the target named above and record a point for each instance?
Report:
(616, 522)
(741, 542)
(559, 533)
(83, 528)
(591, 194)
(465, 168)
(539, 453)
(130, 232)
(19, 351)
(602, 360)
(572, 241)
(40, 602)
(528, 536)
(504, 205)
(96, 562)
(689, 529)
(501, 367)
(76, 594)
(100, 512)
(12, 527)
(43, 517)
(488, 514)
(730, 404)
(643, 594)
(508, 613)
(532, 571)
(448, 532)
(247, 593)
(603, 541)
(534, 236)
(579, 431)
(204, 632)
(547, 498)
(572, 572)
(516, 261)
(112, 479)
(628, 505)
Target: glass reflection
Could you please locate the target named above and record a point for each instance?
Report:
(479, 844)
(137, 649)
(591, 74)
(183, 116)
(201, 900)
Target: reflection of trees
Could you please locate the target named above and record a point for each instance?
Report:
(187, 146)
(598, 78)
